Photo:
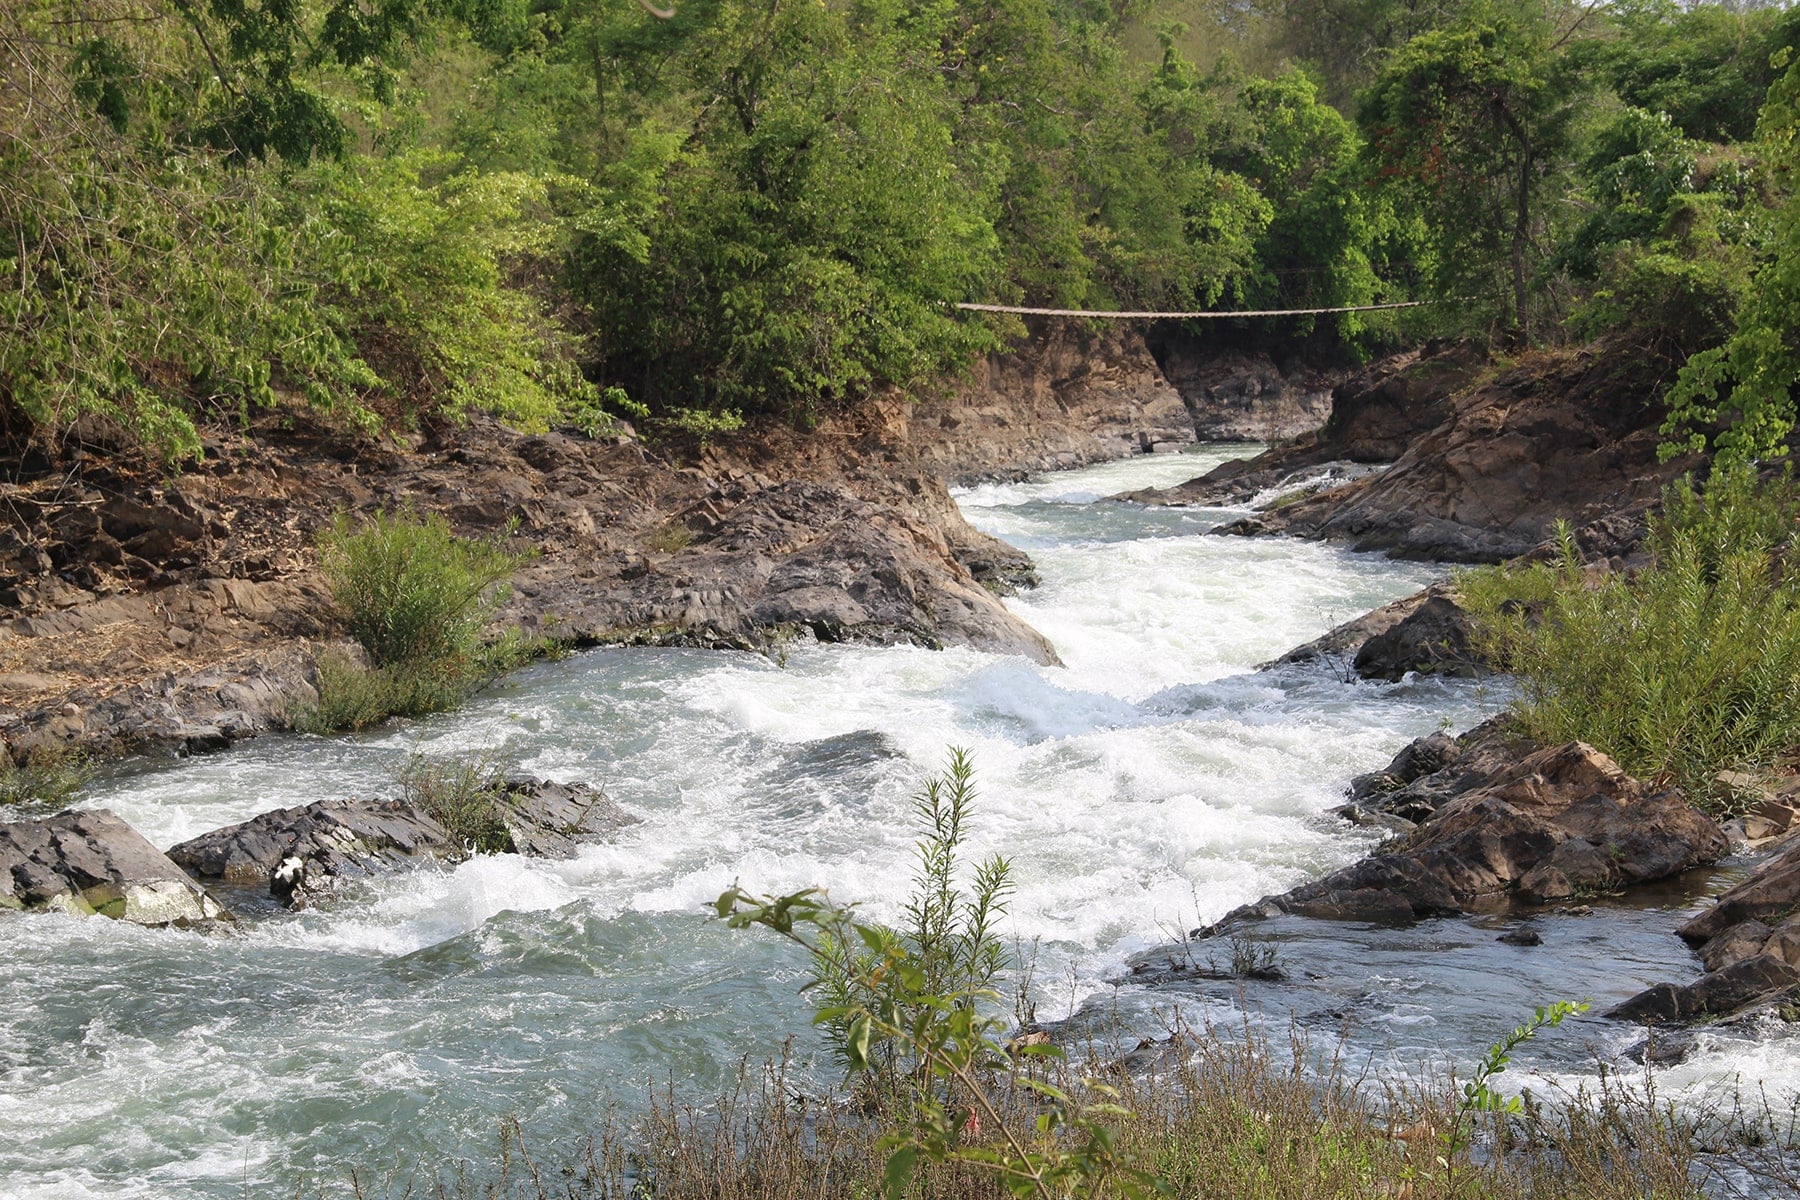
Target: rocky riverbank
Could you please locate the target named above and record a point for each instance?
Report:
(178, 612)
(1485, 459)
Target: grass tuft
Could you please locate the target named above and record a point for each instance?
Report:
(46, 781)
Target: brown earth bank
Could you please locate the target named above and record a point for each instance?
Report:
(144, 609)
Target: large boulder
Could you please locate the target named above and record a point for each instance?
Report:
(1434, 639)
(301, 854)
(1572, 435)
(1551, 824)
(93, 862)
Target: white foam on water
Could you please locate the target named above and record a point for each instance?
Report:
(1148, 785)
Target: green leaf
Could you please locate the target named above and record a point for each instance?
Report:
(899, 1172)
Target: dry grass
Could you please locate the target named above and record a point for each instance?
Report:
(1232, 1117)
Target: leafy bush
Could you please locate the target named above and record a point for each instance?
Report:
(1691, 666)
(412, 591)
(463, 795)
(48, 778)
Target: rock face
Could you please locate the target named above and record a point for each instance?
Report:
(1376, 414)
(1243, 397)
(93, 862)
(1573, 436)
(302, 854)
(1536, 827)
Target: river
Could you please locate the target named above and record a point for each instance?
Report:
(1152, 783)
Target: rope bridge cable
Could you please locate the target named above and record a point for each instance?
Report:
(1272, 312)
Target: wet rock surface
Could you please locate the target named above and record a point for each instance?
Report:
(299, 855)
(1748, 942)
(93, 862)
(1502, 824)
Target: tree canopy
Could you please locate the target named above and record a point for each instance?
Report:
(405, 210)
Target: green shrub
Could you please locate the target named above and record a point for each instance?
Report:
(463, 795)
(412, 592)
(355, 697)
(1690, 667)
(48, 779)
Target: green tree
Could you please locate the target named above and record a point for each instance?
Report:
(1466, 125)
(1738, 399)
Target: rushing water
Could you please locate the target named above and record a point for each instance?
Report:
(1153, 782)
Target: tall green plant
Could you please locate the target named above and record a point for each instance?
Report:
(910, 1012)
(1688, 667)
(412, 591)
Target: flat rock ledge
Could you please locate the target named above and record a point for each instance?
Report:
(92, 862)
(302, 855)
(1748, 943)
(1500, 824)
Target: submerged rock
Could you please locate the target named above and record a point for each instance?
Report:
(300, 854)
(93, 862)
(1548, 825)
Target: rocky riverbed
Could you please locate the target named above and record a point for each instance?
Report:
(1146, 777)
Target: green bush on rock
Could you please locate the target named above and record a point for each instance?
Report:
(416, 597)
(1686, 668)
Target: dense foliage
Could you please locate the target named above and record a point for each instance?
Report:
(1687, 669)
(403, 210)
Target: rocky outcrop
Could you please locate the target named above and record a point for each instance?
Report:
(92, 862)
(1427, 633)
(1748, 942)
(142, 612)
(1569, 436)
(302, 854)
(761, 562)
(1376, 414)
(1237, 396)
(1544, 826)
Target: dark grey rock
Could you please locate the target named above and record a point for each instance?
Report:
(1759, 980)
(92, 862)
(1434, 639)
(302, 854)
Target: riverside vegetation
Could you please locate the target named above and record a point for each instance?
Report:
(409, 211)
(1680, 670)
(399, 213)
(941, 1102)
(416, 597)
